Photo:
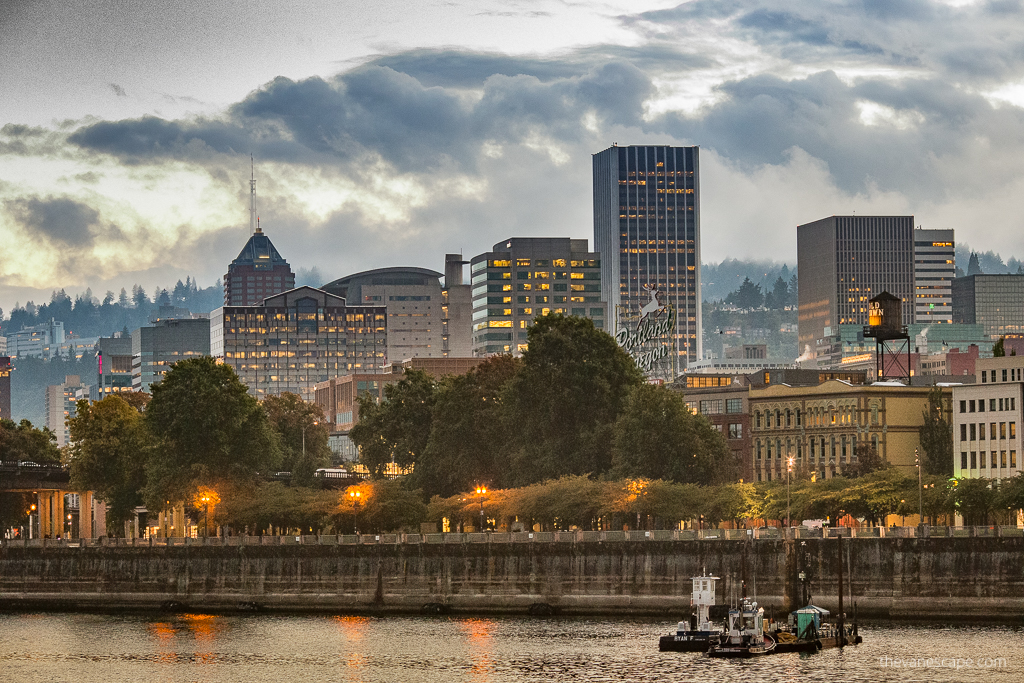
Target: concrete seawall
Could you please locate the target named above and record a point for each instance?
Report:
(930, 578)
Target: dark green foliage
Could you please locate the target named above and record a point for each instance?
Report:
(867, 461)
(999, 348)
(397, 429)
(560, 408)
(748, 295)
(207, 429)
(656, 436)
(110, 446)
(14, 508)
(303, 435)
(257, 507)
(465, 449)
(937, 435)
(22, 441)
(384, 506)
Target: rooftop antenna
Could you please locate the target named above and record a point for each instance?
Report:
(253, 221)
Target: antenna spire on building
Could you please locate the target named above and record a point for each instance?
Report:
(253, 221)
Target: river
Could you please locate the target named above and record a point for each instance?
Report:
(83, 648)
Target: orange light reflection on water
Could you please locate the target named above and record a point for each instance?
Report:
(480, 637)
(353, 630)
(204, 628)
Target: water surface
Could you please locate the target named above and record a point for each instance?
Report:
(82, 648)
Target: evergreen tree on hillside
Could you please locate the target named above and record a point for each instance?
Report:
(973, 266)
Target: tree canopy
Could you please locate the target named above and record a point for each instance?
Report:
(561, 407)
(207, 428)
(657, 436)
(395, 430)
(303, 432)
(23, 442)
(110, 445)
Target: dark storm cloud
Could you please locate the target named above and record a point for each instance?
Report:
(56, 219)
(377, 111)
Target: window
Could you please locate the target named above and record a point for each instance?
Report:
(757, 420)
(711, 407)
(981, 431)
(963, 409)
(735, 430)
(1013, 458)
(993, 460)
(734, 405)
(974, 460)
(972, 406)
(1000, 404)
(963, 432)
(1002, 430)
(983, 374)
(992, 405)
(963, 460)
(992, 431)
(1013, 430)
(1004, 375)
(981, 405)
(757, 449)
(974, 433)
(789, 418)
(797, 417)
(1002, 458)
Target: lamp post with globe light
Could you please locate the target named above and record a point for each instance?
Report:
(355, 496)
(481, 491)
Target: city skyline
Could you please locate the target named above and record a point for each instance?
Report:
(382, 132)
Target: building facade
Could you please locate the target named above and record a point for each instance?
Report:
(61, 403)
(296, 339)
(934, 271)
(723, 400)
(38, 341)
(156, 348)
(259, 271)
(994, 301)
(113, 366)
(986, 417)
(843, 262)
(647, 230)
(522, 278)
(820, 427)
(415, 307)
(457, 310)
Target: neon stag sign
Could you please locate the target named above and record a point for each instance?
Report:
(656, 320)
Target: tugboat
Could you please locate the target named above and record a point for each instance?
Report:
(809, 631)
(746, 636)
(698, 634)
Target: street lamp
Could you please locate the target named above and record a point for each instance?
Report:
(68, 537)
(355, 495)
(315, 422)
(206, 516)
(31, 509)
(480, 491)
(789, 470)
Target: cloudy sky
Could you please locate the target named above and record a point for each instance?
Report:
(388, 133)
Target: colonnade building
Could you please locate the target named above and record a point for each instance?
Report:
(293, 340)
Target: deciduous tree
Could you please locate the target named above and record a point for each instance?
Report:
(303, 435)
(109, 448)
(560, 408)
(207, 429)
(397, 429)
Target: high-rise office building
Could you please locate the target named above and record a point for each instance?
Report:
(156, 348)
(292, 341)
(525, 277)
(844, 261)
(258, 272)
(647, 230)
(995, 301)
(934, 270)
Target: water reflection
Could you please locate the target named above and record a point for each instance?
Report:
(273, 648)
(479, 633)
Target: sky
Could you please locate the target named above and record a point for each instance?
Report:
(390, 133)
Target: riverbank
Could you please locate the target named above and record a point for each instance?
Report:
(944, 579)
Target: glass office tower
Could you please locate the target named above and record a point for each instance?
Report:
(647, 229)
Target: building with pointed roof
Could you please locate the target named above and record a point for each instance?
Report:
(259, 272)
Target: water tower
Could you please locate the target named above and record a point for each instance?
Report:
(892, 343)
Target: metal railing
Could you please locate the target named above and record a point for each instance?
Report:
(663, 535)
